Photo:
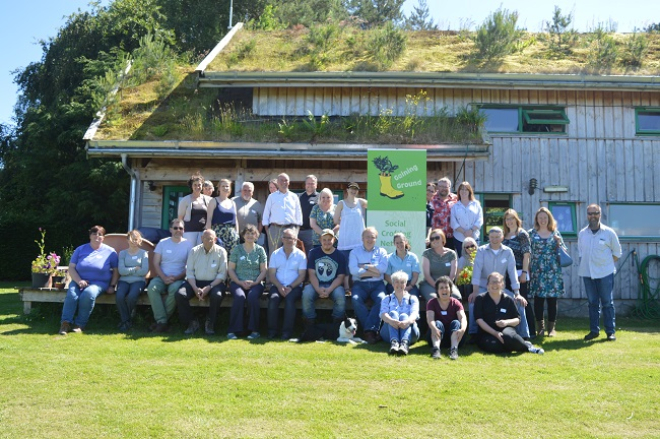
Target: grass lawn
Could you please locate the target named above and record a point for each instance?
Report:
(105, 384)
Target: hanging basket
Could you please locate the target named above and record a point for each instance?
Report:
(41, 280)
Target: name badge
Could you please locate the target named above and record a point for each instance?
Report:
(214, 265)
(409, 264)
(134, 257)
(444, 313)
(98, 256)
(504, 261)
(447, 264)
(537, 237)
(253, 211)
(601, 242)
(242, 258)
(168, 251)
(503, 310)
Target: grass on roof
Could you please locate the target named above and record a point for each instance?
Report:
(426, 51)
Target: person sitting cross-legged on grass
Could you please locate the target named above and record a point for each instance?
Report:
(446, 319)
(497, 316)
(399, 312)
(206, 271)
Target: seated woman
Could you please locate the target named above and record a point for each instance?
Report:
(497, 316)
(93, 271)
(402, 260)
(437, 261)
(133, 267)
(247, 271)
(445, 316)
(399, 312)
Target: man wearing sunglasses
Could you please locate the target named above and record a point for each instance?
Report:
(170, 266)
(599, 249)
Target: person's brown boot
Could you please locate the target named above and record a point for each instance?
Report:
(66, 327)
(540, 328)
(551, 329)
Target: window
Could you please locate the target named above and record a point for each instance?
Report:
(493, 206)
(171, 197)
(525, 119)
(635, 220)
(647, 120)
(564, 214)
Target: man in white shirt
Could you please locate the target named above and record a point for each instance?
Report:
(286, 272)
(599, 249)
(206, 271)
(282, 211)
(170, 266)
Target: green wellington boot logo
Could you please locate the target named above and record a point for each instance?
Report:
(386, 168)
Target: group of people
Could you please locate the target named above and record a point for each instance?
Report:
(312, 248)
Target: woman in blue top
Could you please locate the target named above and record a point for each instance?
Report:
(399, 312)
(93, 271)
(133, 268)
(403, 260)
(222, 218)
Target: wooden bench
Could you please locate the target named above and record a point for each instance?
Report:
(52, 295)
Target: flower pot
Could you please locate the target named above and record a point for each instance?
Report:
(58, 282)
(41, 280)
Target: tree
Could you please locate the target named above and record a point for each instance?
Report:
(309, 12)
(559, 40)
(497, 35)
(420, 18)
(376, 12)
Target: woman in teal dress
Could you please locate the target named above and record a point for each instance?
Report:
(547, 282)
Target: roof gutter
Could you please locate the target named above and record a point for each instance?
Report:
(293, 151)
(510, 81)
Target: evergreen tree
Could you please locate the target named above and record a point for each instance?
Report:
(420, 18)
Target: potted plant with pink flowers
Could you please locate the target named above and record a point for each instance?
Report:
(44, 265)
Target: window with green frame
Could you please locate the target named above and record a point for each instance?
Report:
(635, 221)
(524, 119)
(171, 197)
(565, 217)
(647, 121)
(493, 206)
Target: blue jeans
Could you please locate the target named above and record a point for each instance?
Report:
(309, 296)
(445, 339)
(374, 290)
(274, 299)
(238, 307)
(82, 301)
(389, 333)
(522, 329)
(126, 297)
(599, 295)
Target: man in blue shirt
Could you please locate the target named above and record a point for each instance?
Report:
(368, 264)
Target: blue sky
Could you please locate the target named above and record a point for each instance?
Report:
(28, 21)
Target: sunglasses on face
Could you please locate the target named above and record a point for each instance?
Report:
(435, 238)
(177, 228)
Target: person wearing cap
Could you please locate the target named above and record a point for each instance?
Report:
(326, 267)
(350, 216)
(282, 211)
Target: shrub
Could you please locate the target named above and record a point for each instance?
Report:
(497, 35)
(388, 45)
(560, 39)
(637, 46)
(602, 50)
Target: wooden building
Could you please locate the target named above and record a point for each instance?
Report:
(561, 141)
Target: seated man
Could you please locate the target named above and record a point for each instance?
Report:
(170, 265)
(286, 272)
(367, 265)
(496, 257)
(497, 316)
(326, 267)
(206, 271)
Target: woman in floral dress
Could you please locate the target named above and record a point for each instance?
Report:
(547, 282)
